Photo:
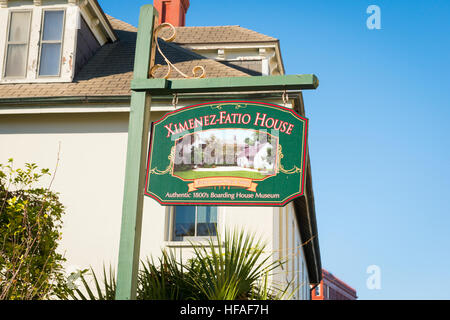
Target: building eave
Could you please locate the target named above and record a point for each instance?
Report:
(306, 217)
(104, 20)
(280, 57)
(305, 212)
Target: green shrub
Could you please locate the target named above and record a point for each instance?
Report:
(30, 223)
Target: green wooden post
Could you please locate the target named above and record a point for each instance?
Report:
(130, 236)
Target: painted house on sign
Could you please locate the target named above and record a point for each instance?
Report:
(260, 156)
(65, 76)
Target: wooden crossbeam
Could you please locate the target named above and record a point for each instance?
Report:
(206, 85)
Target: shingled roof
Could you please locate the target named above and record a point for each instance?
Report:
(110, 70)
(218, 34)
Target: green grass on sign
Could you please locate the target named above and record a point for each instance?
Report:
(190, 174)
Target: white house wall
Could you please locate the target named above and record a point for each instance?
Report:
(288, 247)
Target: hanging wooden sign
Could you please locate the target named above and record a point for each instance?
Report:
(228, 153)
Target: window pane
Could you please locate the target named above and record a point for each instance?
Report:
(50, 59)
(16, 60)
(19, 27)
(184, 222)
(53, 25)
(206, 221)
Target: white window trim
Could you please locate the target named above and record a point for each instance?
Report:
(7, 43)
(41, 42)
(187, 241)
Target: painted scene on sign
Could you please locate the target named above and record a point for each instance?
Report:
(241, 153)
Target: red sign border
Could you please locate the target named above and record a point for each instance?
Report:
(256, 204)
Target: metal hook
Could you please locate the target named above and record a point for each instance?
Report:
(285, 97)
(175, 100)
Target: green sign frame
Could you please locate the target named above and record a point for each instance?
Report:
(228, 153)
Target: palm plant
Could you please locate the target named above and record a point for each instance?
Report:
(164, 280)
(233, 269)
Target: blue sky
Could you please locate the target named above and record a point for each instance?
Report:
(379, 129)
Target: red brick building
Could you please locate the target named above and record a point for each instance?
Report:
(332, 288)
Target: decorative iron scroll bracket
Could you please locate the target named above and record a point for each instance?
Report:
(170, 65)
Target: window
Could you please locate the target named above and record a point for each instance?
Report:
(17, 43)
(317, 291)
(51, 43)
(194, 222)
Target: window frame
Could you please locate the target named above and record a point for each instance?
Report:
(317, 290)
(171, 230)
(7, 43)
(41, 42)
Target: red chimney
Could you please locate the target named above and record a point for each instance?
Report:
(172, 11)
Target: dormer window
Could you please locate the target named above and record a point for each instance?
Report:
(17, 44)
(51, 43)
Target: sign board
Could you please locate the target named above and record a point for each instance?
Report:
(227, 153)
